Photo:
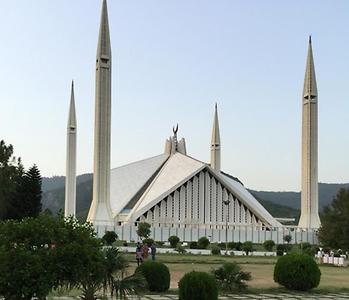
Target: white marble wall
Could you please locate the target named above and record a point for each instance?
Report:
(200, 201)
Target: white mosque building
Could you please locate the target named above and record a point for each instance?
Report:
(174, 192)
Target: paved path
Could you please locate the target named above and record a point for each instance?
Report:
(281, 296)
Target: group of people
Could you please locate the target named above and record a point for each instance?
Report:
(142, 252)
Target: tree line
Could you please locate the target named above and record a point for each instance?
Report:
(20, 189)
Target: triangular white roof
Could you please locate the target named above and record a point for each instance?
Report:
(248, 199)
(177, 170)
(126, 181)
(148, 181)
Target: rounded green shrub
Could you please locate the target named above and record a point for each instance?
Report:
(238, 246)
(193, 245)
(109, 237)
(221, 245)
(280, 249)
(215, 250)
(247, 247)
(297, 272)
(231, 245)
(156, 274)
(203, 242)
(269, 245)
(174, 240)
(148, 241)
(198, 286)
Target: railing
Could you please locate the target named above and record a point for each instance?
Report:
(216, 232)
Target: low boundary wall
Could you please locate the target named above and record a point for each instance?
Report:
(235, 233)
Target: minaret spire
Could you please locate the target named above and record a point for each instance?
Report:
(216, 143)
(310, 88)
(70, 178)
(100, 211)
(309, 194)
(103, 46)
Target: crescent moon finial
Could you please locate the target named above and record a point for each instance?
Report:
(175, 129)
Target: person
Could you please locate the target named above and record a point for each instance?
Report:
(153, 251)
(139, 256)
(145, 251)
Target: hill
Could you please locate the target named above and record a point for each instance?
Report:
(327, 192)
(279, 204)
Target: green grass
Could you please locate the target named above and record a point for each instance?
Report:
(333, 279)
(208, 259)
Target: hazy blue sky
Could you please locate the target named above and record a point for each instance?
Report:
(171, 61)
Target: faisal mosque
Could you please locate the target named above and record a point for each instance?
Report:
(174, 190)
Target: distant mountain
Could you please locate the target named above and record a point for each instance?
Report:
(279, 204)
(327, 191)
(53, 194)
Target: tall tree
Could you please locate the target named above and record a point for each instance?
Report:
(28, 196)
(10, 172)
(334, 231)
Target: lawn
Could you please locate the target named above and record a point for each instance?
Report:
(261, 268)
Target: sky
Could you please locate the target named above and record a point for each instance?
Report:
(172, 60)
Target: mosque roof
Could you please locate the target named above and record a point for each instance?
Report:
(137, 187)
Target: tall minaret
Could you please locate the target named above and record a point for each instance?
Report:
(100, 212)
(309, 195)
(70, 176)
(216, 144)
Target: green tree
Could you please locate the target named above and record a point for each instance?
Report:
(203, 242)
(143, 230)
(174, 240)
(334, 230)
(269, 245)
(247, 247)
(38, 254)
(288, 238)
(110, 237)
(10, 171)
(24, 273)
(20, 190)
(27, 198)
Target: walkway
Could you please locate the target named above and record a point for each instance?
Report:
(281, 296)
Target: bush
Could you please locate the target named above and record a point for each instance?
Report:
(180, 249)
(280, 249)
(269, 245)
(174, 240)
(198, 286)
(297, 272)
(247, 247)
(143, 230)
(149, 242)
(203, 242)
(159, 243)
(215, 250)
(238, 246)
(110, 237)
(193, 245)
(288, 238)
(221, 245)
(231, 278)
(308, 249)
(231, 245)
(24, 274)
(156, 274)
